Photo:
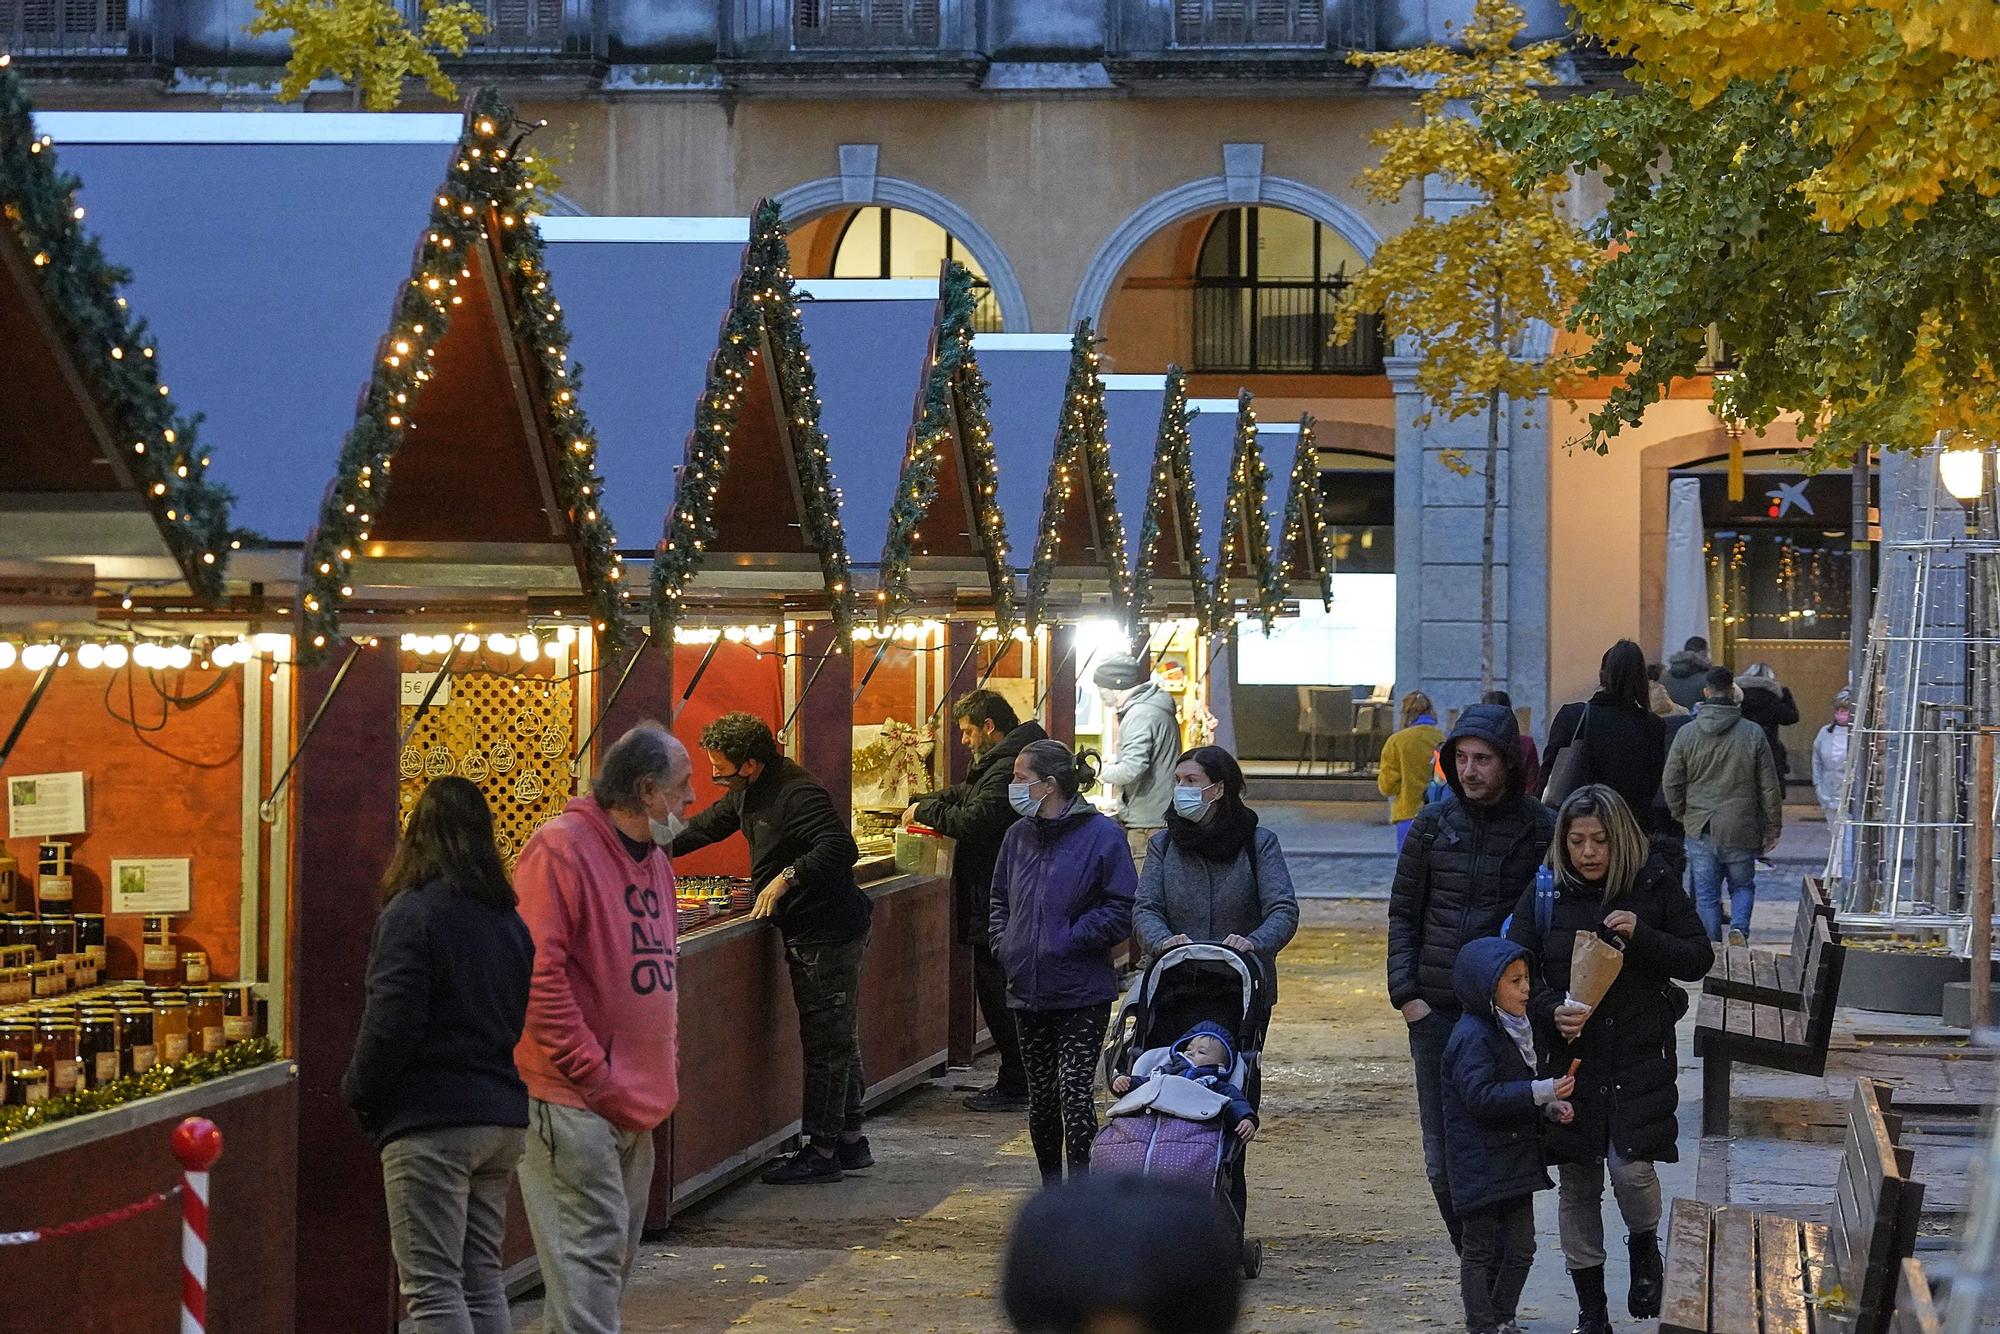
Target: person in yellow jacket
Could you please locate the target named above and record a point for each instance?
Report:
(1407, 760)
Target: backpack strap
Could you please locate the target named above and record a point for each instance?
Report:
(1545, 900)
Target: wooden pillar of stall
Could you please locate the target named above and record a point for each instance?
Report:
(823, 733)
(966, 1033)
(344, 818)
(648, 693)
(1059, 707)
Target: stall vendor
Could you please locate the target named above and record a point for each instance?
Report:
(802, 859)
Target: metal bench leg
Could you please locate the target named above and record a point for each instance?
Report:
(1715, 1094)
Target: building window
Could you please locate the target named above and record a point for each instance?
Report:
(866, 24)
(63, 27)
(896, 243)
(1249, 23)
(1267, 283)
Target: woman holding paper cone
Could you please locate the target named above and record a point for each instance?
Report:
(1608, 890)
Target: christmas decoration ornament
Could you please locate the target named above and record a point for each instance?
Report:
(1246, 535)
(1081, 467)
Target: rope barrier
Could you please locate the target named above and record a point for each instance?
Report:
(95, 1223)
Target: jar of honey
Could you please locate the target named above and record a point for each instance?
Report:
(194, 967)
(242, 1012)
(54, 888)
(18, 929)
(97, 1047)
(55, 936)
(48, 980)
(170, 1027)
(135, 1040)
(18, 1036)
(27, 1085)
(17, 984)
(90, 936)
(205, 1020)
(56, 1043)
(160, 964)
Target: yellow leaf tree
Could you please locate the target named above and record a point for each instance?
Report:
(1463, 288)
(368, 45)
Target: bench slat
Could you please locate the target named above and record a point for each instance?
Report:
(1733, 1273)
(1915, 1313)
(1684, 1300)
(1779, 1268)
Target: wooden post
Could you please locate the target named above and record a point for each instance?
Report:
(1981, 905)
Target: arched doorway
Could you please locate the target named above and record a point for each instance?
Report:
(880, 241)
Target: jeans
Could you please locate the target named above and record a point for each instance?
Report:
(585, 1183)
(989, 979)
(1427, 1038)
(826, 987)
(1498, 1252)
(447, 1191)
(1637, 1186)
(1711, 866)
(1061, 1048)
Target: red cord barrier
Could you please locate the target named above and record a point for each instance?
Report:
(94, 1223)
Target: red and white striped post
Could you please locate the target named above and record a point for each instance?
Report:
(197, 1142)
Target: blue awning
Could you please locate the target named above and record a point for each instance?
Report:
(1025, 379)
(1132, 417)
(1213, 446)
(267, 270)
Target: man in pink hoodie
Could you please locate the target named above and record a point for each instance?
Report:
(598, 1051)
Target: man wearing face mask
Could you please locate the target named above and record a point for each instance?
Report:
(977, 814)
(1149, 736)
(802, 857)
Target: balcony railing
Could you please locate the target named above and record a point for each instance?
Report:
(76, 27)
(986, 308)
(1212, 23)
(524, 27)
(844, 26)
(1279, 327)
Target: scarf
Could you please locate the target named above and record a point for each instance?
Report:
(1225, 833)
(1522, 1030)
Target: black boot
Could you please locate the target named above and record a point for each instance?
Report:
(1649, 1275)
(1593, 1313)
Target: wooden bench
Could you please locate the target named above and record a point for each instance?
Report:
(1747, 972)
(1738, 1271)
(1915, 1312)
(1728, 1029)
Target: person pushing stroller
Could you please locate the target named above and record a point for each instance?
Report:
(1206, 1056)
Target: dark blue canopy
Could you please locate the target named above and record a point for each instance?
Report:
(1132, 417)
(1027, 391)
(1213, 437)
(267, 270)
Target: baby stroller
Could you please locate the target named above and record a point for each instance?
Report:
(1188, 985)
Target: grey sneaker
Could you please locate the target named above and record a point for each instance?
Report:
(1508, 1327)
(1737, 937)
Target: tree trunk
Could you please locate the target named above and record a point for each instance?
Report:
(1486, 542)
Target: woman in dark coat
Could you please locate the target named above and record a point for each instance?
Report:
(1624, 741)
(1604, 883)
(1768, 703)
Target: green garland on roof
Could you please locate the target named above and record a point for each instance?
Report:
(198, 1068)
(489, 192)
(1082, 458)
(1305, 520)
(111, 348)
(1244, 524)
(1172, 484)
(766, 306)
(954, 394)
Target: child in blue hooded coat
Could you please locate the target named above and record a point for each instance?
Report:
(1206, 1054)
(1493, 1102)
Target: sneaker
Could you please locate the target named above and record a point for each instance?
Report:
(1737, 937)
(806, 1167)
(854, 1156)
(1507, 1327)
(997, 1099)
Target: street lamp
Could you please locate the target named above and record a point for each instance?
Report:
(1962, 467)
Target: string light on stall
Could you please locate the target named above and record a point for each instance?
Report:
(1246, 535)
(1083, 446)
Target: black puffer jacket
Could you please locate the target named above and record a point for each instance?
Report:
(1770, 706)
(1625, 1089)
(1462, 867)
(976, 813)
(1625, 748)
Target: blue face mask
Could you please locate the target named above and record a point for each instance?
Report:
(1021, 797)
(1193, 803)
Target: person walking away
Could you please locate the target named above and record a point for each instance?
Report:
(1149, 736)
(1531, 760)
(600, 1048)
(1829, 772)
(1406, 762)
(1464, 865)
(1686, 676)
(1669, 839)
(1494, 1101)
(1722, 785)
(432, 1077)
(1624, 743)
(1606, 884)
(1662, 704)
(1769, 704)
(802, 857)
(1062, 901)
(975, 813)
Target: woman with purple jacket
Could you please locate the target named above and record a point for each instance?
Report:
(1062, 901)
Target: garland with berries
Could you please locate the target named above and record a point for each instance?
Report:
(1082, 456)
(196, 1068)
(1246, 533)
(764, 312)
(487, 199)
(110, 348)
(1305, 545)
(955, 406)
(1172, 485)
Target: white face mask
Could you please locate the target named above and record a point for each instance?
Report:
(1193, 803)
(667, 830)
(1021, 797)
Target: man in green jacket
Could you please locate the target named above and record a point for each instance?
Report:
(1721, 783)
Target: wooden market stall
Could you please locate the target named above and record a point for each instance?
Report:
(135, 877)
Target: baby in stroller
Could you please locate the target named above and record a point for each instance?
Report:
(1206, 1056)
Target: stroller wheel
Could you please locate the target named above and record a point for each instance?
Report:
(1253, 1257)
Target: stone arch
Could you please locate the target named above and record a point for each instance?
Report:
(804, 202)
(1198, 196)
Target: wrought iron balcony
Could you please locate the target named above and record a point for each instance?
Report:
(1249, 23)
(1282, 328)
(765, 27)
(526, 27)
(76, 28)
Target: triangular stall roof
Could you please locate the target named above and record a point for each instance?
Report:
(1158, 498)
(1300, 542)
(468, 479)
(945, 545)
(98, 466)
(261, 248)
(756, 525)
(1246, 577)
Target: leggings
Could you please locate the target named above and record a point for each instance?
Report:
(1060, 1050)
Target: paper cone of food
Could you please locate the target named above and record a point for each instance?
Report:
(1593, 967)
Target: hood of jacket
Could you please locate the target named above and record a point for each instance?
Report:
(1769, 685)
(1209, 1028)
(1716, 715)
(1004, 750)
(1686, 663)
(1494, 725)
(1048, 827)
(1149, 696)
(1477, 971)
